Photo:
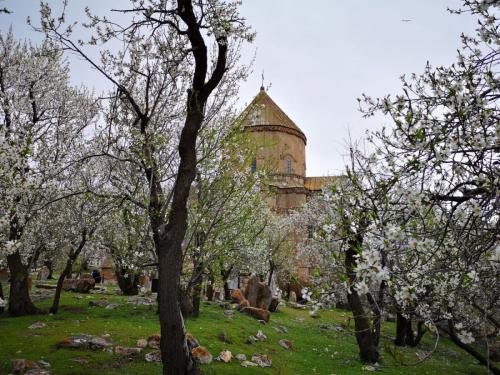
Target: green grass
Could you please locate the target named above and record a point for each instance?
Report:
(317, 350)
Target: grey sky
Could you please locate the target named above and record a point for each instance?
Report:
(319, 58)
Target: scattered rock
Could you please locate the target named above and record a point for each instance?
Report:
(244, 304)
(19, 366)
(228, 313)
(44, 363)
(263, 322)
(153, 356)
(112, 306)
(368, 368)
(260, 314)
(125, 351)
(142, 343)
(98, 343)
(261, 336)
(202, 355)
(262, 360)
(273, 306)
(154, 341)
(258, 294)
(286, 344)
(37, 325)
(281, 329)
(241, 357)
(249, 364)
(223, 337)
(225, 356)
(79, 285)
(237, 296)
(74, 342)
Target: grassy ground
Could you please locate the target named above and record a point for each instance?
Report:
(317, 350)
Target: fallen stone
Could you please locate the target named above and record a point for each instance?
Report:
(241, 357)
(260, 314)
(43, 363)
(262, 360)
(154, 341)
(251, 340)
(225, 356)
(37, 325)
(202, 355)
(244, 304)
(286, 344)
(258, 294)
(281, 329)
(98, 343)
(237, 295)
(125, 351)
(228, 313)
(19, 366)
(249, 364)
(112, 306)
(142, 343)
(79, 285)
(74, 342)
(261, 336)
(153, 356)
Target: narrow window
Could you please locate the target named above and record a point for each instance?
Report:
(254, 165)
(288, 166)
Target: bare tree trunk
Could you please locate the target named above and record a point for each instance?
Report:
(210, 287)
(401, 323)
(225, 276)
(19, 299)
(271, 273)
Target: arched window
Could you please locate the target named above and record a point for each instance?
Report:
(288, 165)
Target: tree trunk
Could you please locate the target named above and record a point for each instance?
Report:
(363, 331)
(210, 288)
(129, 284)
(60, 281)
(271, 273)
(197, 286)
(401, 323)
(73, 255)
(225, 276)
(469, 349)
(19, 299)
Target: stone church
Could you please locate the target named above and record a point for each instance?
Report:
(282, 152)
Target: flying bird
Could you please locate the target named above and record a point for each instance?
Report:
(405, 20)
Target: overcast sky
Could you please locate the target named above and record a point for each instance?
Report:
(318, 56)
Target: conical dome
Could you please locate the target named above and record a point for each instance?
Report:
(264, 112)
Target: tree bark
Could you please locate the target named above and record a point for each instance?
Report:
(19, 299)
(363, 331)
(210, 288)
(197, 286)
(225, 276)
(401, 323)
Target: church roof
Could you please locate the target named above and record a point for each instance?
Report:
(264, 112)
(319, 183)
